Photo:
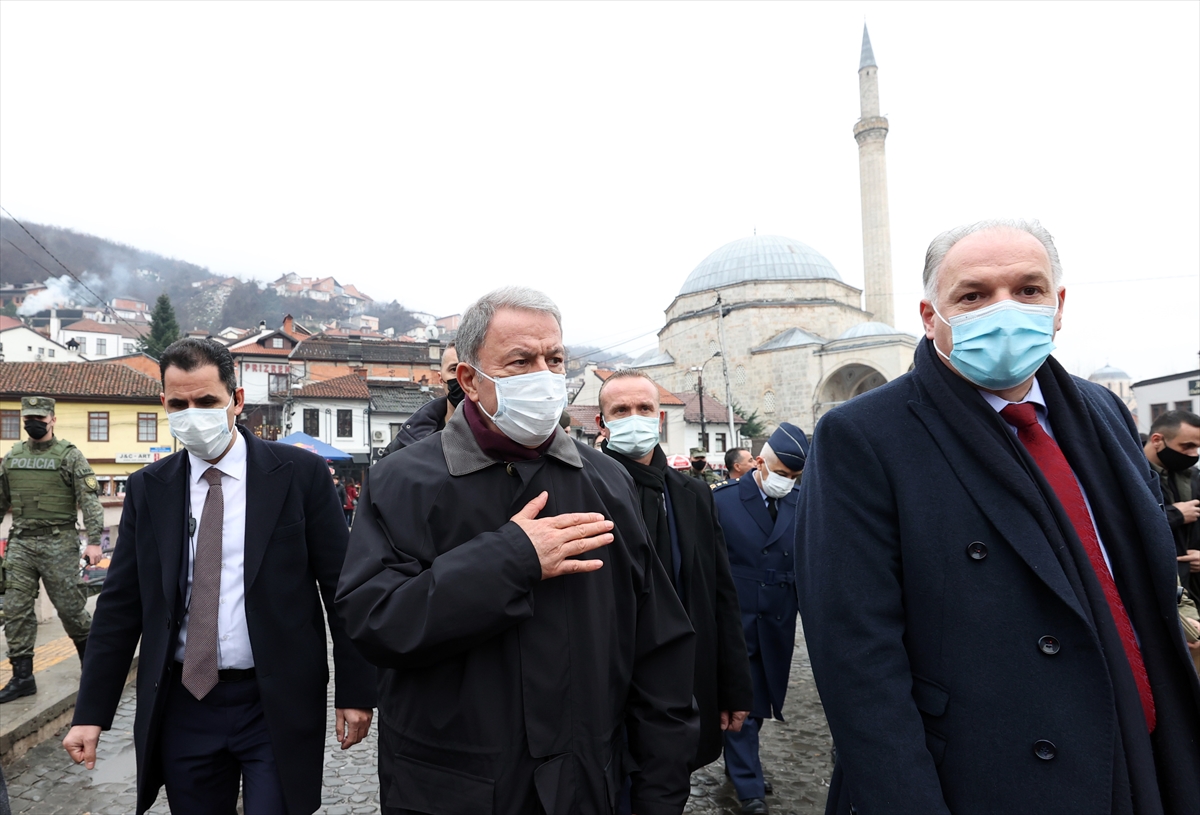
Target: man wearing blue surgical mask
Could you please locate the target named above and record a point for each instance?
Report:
(236, 544)
(682, 522)
(535, 653)
(986, 575)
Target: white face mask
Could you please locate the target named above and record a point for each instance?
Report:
(528, 406)
(775, 485)
(204, 432)
(633, 436)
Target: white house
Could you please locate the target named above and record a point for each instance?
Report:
(101, 340)
(334, 411)
(1156, 396)
(20, 343)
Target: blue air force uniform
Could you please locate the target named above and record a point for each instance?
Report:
(762, 560)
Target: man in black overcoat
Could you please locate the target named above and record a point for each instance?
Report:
(262, 724)
(535, 653)
(681, 520)
(986, 576)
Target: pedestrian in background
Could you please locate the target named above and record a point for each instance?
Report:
(235, 544)
(43, 480)
(350, 501)
(738, 462)
(987, 579)
(501, 575)
(433, 415)
(700, 469)
(758, 515)
(1173, 448)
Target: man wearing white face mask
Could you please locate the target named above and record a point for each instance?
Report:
(987, 577)
(535, 652)
(758, 514)
(682, 522)
(228, 554)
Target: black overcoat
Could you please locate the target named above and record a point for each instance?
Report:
(722, 675)
(505, 692)
(959, 668)
(295, 544)
(762, 560)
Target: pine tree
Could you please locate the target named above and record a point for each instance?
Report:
(164, 329)
(753, 428)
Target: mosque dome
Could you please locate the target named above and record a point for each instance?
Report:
(762, 257)
(869, 329)
(1108, 372)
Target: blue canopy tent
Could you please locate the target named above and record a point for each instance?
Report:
(325, 451)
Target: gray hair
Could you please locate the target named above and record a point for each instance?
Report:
(475, 323)
(935, 256)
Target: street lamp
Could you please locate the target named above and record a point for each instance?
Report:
(699, 371)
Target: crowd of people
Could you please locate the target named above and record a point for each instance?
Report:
(994, 574)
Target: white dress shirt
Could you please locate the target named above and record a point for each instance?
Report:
(233, 637)
(1043, 412)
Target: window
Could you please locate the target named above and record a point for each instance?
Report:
(82, 344)
(101, 348)
(312, 422)
(277, 384)
(129, 347)
(98, 426)
(52, 352)
(720, 443)
(147, 427)
(10, 424)
(768, 402)
(345, 424)
(703, 440)
(277, 342)
(1184, 405)
(1157, 410)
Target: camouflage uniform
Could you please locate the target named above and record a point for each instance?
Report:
(708, 475)
(43, 482)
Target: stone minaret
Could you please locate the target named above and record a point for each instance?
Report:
(870, 133)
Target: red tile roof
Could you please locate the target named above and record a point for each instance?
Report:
(584, 416)
(714, 411)
(665, 397)
(351, 386)
(123, 329)
(7, 322)
(77, 381)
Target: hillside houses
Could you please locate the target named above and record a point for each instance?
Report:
(322, 289)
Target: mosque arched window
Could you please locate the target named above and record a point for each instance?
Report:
(768, 402)
(739, 376)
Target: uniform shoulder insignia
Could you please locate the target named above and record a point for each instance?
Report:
(724, 484)
(90, 482)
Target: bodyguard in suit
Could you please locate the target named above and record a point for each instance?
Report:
(987, 578)
(758, 515)
(682, 521)
(228, 555)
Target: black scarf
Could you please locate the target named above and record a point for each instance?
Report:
(1143, 767)
(651, 481)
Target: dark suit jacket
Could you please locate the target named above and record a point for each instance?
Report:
(295, 543)
(960, 661)
(722, 679)
(763, 564)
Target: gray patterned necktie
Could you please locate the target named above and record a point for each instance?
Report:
(200, 652)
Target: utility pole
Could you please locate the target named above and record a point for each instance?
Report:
(725, 370)
(699, 371)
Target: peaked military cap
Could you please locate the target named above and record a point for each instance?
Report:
(790, 445)
(37, 406)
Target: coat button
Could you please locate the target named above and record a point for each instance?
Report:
(1049, 645)
(1045, 750)
(977, 550)
(764, 551)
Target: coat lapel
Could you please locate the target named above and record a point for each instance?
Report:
(683, 502)
(753, 502)
(267, 482)
(784, 520)
(166, 492)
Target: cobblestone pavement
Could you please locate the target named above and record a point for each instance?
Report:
(795, 754)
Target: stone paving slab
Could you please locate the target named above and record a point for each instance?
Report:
(796, 755)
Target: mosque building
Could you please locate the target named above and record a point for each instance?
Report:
(789, 337)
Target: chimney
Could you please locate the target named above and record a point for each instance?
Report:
(55, 324)
(262, 325)
(288, 322)
(360, 370)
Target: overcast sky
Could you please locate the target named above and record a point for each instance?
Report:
(600, 151)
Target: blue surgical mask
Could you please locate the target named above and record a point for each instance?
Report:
(1000, 346)
(632, 436)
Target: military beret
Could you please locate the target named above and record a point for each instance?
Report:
(37, 406)
(790, 445)
(699, 452)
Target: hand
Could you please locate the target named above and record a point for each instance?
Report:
(81, 742)
(1190, 510)
(1195, 626)
(732, 721)
(1192, 559)
(92, 554)
(352, 725)
(558, 538)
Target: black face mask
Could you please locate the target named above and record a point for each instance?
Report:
(699, 466)
(36, 428)
(454, 392)
(1171, 459)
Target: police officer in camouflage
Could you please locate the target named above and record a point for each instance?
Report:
(43, 480)
(700, 469)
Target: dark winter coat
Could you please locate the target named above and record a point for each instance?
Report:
(429, 418)
(507, 692)
(295, 544)
(959, 638)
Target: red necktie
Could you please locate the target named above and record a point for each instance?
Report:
(1054, 466)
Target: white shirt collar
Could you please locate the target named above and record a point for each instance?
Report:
(233, 464)
(1034, 396)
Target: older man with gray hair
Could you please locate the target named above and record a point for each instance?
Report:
(535, 651)
(985, 572)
